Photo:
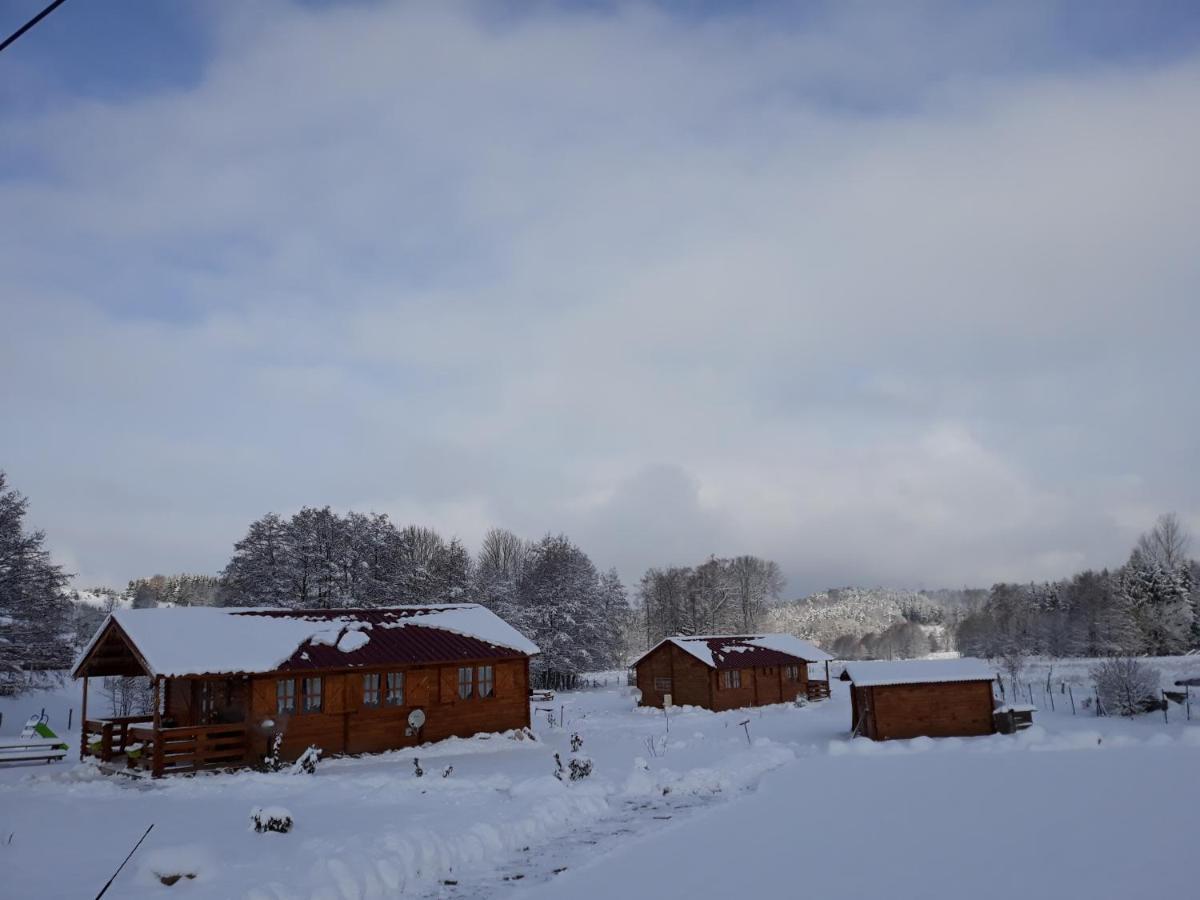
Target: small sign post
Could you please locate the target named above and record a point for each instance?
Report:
(667, 706)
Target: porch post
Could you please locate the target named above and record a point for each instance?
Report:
(83, 732)
(157, 679)
(156, 745)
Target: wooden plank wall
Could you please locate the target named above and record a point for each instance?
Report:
(346, 726)
(960, 709)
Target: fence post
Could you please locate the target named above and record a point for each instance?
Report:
(1187, 693)
(1071, 694)
(1165, 704)
(1030, 686)
(70, 717)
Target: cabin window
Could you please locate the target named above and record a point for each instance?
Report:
(662, 685)
(370, 689)
(395, 689)
(312, 694)
(285, 696)
(487, 686)
(791, 673)
(731, 678)
(464, 682)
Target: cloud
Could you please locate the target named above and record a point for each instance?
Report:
(886, 307)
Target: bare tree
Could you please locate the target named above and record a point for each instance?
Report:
(1125, 685)
(754, 582)
(1167, 543)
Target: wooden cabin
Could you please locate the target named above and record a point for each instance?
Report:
(920, 697)
(227, 682)
(730, 671)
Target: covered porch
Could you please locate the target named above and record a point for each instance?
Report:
(194, 723)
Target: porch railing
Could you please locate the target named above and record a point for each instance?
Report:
(106, 738)
(190, 748)
(818, 690)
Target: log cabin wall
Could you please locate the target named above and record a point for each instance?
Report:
(346, 725)
(733, 697)
(672, 670)
(944, 709)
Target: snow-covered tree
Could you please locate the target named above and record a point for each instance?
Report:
(34, 611)
(1126, 686)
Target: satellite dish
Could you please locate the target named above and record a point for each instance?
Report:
(416, 719)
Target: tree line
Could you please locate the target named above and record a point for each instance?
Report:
(1148, 606)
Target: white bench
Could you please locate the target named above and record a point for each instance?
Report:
(33, 751)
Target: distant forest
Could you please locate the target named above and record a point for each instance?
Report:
(584, 619)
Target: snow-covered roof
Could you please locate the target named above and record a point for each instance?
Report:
(917, 671)
(732, 651)
(203, 640)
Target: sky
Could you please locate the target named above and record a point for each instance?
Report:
(894, 294)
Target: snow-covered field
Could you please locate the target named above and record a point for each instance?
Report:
(1078, 806)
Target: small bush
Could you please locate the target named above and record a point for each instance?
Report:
(307, 763)
(580, 768)
(271, 762)
(271, 818)
(1126, 686)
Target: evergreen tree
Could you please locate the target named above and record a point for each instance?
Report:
(33, 609)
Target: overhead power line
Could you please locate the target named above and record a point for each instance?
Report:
(24, 28)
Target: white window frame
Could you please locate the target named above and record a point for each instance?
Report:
(395, 689)
(371, 690)
(485, 678)
(466, 684)
(285, 696)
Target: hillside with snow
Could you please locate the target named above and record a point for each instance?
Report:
(839, 618)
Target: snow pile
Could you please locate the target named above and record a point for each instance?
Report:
(392, 861)
(735, 772)
(353, 640)
(175, 865)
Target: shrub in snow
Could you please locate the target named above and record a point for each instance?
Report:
(271, 762)
(1126, 686)
(576, 742)
(577, 768)
(580, 767)
(417, 770)
(271, 818)
(447, 771)
(307, 763)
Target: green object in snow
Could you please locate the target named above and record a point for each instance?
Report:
(43, 730)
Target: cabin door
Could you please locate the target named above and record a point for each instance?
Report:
(219, 701)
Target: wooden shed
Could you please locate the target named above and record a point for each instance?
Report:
(730, 671)
(227, 682)
(920, 697)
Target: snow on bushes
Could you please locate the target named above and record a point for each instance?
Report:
(307, 763)
(270, 818)
(1126, 686)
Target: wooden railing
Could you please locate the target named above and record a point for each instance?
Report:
(191, 748)
(164, 750)
(818, 690)
(112, 734)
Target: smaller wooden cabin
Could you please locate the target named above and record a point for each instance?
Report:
(228, 682)
(920, 698)
(729, 671)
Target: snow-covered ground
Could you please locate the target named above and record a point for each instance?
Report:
(1078, 806)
